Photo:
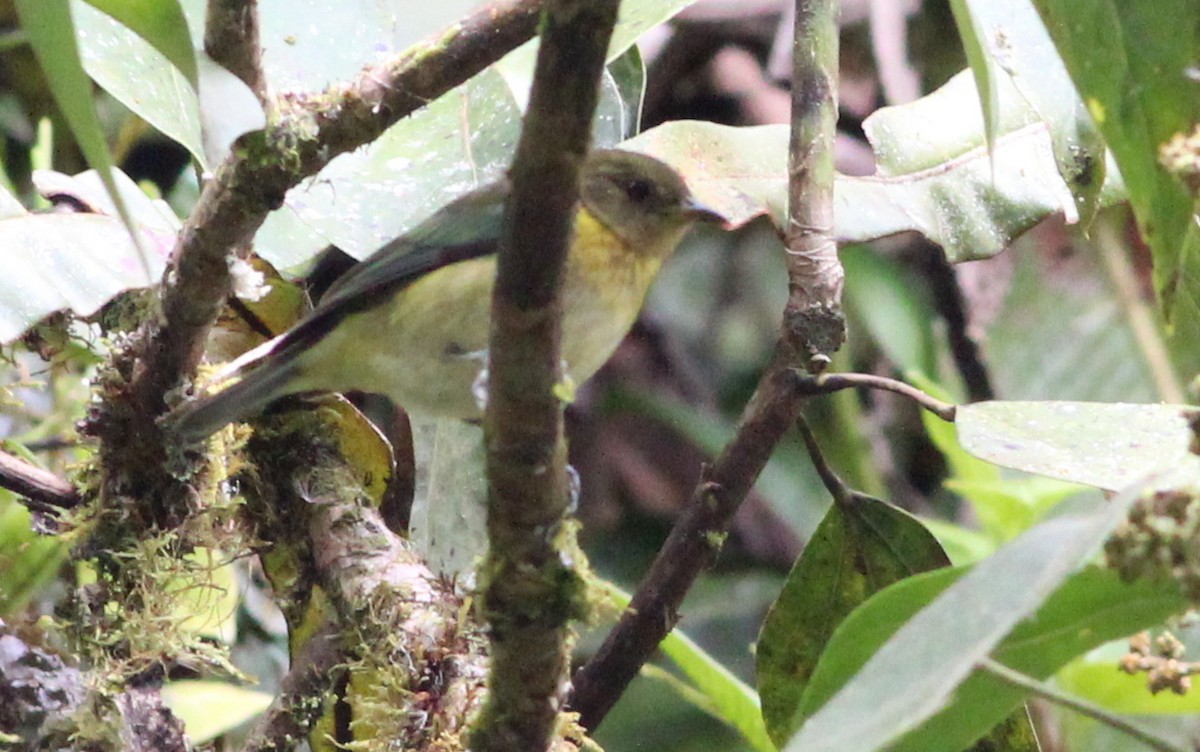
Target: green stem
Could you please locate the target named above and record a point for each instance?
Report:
(813, 320)
(1083, 707)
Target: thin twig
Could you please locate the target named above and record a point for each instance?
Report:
(231, 39)
(45, 491)
(1083, 707)
(834, 382)
(833, 484)
(532, 589)
(692, 546)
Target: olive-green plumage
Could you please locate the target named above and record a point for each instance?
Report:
(412, 321)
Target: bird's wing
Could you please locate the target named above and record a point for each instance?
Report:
(466, 229)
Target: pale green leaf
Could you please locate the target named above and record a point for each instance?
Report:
(209, 709)
(162, 24)
(1107, 445)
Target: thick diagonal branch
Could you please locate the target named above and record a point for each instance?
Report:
(691, 548)
(419, 665)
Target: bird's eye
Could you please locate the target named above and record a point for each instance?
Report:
(638, 191)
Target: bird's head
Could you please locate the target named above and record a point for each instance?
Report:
(640, 199)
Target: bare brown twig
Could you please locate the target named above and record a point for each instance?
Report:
(231, 39)
(833, 382)
(45, 491)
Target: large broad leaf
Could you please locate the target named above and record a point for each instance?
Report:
(1073, 326)
(862, 546)
(448, 524)
(78, 262)
(206, 117)
(1135, 63)
(162, 24)
(365, 198)
(362, 200)
(934, 172)
(1099, 444)
(936, 650)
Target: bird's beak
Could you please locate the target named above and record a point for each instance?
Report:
(699, 212)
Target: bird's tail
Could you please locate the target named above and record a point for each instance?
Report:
(204, 416)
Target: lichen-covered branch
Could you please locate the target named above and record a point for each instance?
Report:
(42, 701)
(692, 547)
(531, 589)
(315, 668)
(813, 320)
(416, 667)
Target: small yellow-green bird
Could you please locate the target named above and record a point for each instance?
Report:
(411, 321)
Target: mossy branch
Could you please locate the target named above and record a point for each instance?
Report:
(399, 625)
(531, 588)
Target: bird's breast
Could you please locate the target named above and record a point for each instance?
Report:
(604, 287)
